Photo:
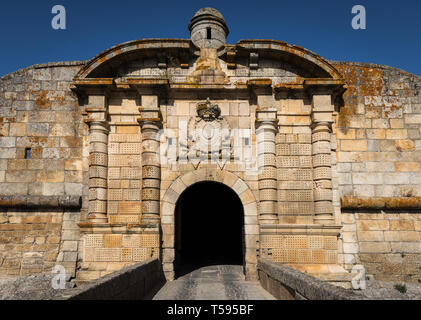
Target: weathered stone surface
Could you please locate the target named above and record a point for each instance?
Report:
(88, 151)
(297, 285)
(135, 282)
(223, 282)
(30, 288)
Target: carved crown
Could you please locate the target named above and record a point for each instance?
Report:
(207, 111)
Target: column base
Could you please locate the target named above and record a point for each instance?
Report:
(324, 220)
(151, 219)
(267, 220)
(98, 218)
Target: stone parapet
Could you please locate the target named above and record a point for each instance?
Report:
(133, 282)
(285, 283)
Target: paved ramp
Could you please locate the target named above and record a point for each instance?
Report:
(220, 282)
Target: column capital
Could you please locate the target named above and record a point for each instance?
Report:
(93, 115)
(152, 124)
(266, 114)
(267, 119)
(150, 118)
(322, 126)
(101, 126)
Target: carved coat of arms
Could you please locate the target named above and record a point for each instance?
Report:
(208, 135)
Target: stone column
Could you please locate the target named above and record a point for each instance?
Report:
(98, 164)
(266, 129)
(322, 159)
(150, 123)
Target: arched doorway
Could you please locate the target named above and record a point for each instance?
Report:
(209, 227)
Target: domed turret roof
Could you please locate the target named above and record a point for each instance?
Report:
(206, 14)
(209, 11)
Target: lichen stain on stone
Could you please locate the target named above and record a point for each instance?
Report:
(348, 109)
(391, 110)
(344, 117)
(42, 102)
(11, 203)
(44, 99)
(405, 145)
(371, 82)
(361, 82)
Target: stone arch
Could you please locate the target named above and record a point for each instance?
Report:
(247, 198)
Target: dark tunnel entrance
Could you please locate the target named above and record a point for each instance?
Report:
(209, 228)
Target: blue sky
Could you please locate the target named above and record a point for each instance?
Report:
(392, 37)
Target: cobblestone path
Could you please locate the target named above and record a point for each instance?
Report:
(220, 282)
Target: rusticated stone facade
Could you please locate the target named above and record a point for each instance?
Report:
(323, 156)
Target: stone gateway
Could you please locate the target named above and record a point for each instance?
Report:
(198, 152)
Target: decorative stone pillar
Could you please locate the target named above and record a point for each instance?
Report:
(322, 159)
(266, 129)
(98, 163)
(150, 123)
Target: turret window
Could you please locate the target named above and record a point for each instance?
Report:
(209, 33)
(27, 153)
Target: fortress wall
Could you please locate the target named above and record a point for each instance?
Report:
(386, 242)
(40, 196)
(378, 131)
(34, 241)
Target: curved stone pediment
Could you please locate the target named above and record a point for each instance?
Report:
(174, 59)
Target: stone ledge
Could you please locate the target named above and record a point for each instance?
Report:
(381, 203)
(65, 202)
(286, 283)
(88, 227)
(300, 229)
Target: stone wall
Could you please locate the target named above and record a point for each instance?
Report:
(41, 169)
(378, 131)
(39, 114)
(44, 163)
(33, 242)
(387, 243)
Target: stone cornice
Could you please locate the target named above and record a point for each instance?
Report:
(133, 83)
(126, 228)
(36, 202)
(301, 229)
(381, 203)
